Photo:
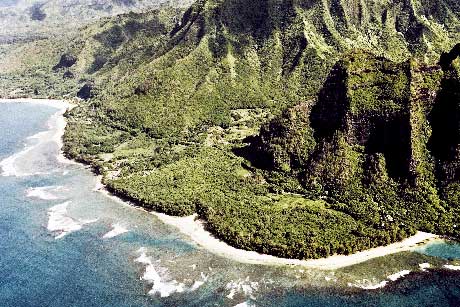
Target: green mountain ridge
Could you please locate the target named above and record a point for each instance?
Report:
(294, 128)
(28, 20)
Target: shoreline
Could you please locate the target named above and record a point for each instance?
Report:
(56, 124)
(57, 103)
(194, 229)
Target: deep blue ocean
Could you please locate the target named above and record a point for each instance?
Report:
(64, 244)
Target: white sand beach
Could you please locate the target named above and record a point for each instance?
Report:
(194, 228)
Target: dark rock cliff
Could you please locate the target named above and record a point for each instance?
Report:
(380, 133)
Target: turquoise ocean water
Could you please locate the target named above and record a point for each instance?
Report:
(64, 244)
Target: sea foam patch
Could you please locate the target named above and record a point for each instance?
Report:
(61, 224)
(373, 285)
(117, 230)
(368, 285)
(396, 276)
(245, 304)
(245, 287)
(45, 193)
(424, 266)
(198, 283)
(158, 278)
(161, 287)
(8, 165)
(452, 267)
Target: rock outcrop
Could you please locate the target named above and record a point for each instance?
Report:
(66, 61)
(86, 92)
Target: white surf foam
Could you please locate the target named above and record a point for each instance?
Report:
(376, 286)
(452, 267)
(372, 285)
(161, 284)
(198, 283)
(367, 285)
(117, 230)
(151, 275)
(245, 304)
(424, 266)
(61, 224)
(8, 167)
(398, 275)
(44, 193)
(245, 287)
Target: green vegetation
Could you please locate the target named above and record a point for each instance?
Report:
(379, 156)
(299, 129)
(240, 209)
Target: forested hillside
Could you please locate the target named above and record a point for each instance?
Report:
(295, 128)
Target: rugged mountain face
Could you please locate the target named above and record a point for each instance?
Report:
(367, 100)
(272, 53)
(25, 20)
(360, 139)
(269, 53)
(444, 144)
(380, 134)
(352, 159)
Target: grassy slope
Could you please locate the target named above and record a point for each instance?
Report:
(174, 101)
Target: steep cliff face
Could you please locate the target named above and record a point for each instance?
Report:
(371, 111)
(446, 121)
(383, 134)
(444, 144)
